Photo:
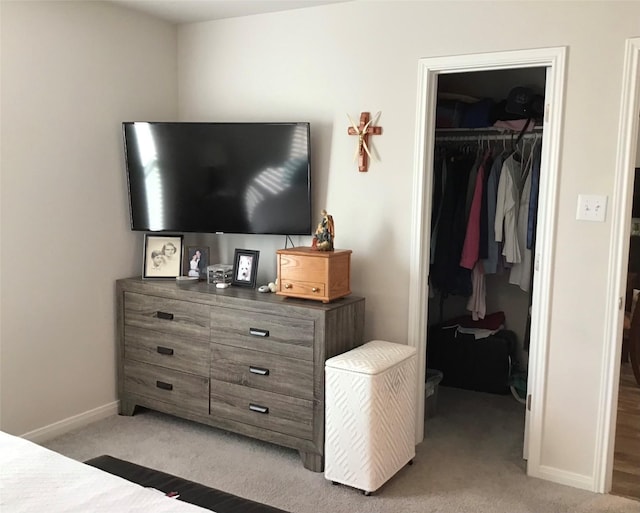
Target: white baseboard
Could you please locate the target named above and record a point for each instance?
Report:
(566, 478)
(77, 421)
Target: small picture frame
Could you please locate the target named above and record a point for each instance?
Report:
(196, 261)
(245, 267)
(162, 257)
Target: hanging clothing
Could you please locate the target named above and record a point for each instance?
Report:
(471, 185)
(507, 203)
(494, 249)
(439, 180)
(446, 274)
(480, 213)
(471, 247)
(532, 222)
(483, 251)
(477, 304)
(521, 272)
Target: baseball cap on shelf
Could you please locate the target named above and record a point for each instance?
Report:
(519, 101)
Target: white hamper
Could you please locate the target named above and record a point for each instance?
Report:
(370, 400)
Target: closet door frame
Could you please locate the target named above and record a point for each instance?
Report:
(554, 60)
(622, 202)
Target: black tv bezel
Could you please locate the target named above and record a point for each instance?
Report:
(309, 220)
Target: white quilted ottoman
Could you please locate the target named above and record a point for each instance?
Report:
(370, 400)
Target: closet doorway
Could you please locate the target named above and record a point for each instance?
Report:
(553, 60)
(488, 138)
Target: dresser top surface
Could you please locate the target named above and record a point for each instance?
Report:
(208, 293)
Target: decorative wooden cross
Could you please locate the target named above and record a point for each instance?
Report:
(363, 131)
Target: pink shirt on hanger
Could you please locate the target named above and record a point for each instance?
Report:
(471, 247)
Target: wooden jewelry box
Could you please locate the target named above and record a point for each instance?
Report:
(308, 273)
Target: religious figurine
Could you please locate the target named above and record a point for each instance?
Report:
(323, 238)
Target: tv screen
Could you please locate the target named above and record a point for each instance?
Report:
(219, 177)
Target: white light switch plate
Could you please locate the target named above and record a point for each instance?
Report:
(592, 207)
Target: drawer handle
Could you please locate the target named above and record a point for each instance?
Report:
(288, 285)
(164, 386)
(315, 289)
(164, 315)
(165, 350)
(258, 333)
(258, 370)
(257, 408)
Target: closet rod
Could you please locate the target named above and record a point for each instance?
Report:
(487, 134)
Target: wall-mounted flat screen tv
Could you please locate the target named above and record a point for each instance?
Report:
(219, 177)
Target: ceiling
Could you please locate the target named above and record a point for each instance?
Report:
(192, 11)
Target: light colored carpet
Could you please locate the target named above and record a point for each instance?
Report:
(470, 461)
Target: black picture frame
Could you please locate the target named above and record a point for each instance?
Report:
(245, 268)
(162, 256)
(199, 255)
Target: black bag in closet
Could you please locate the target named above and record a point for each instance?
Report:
(482, 365)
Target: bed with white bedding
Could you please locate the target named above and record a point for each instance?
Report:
(35, 479)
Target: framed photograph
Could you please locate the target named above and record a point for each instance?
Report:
(196, 260)
(245, 267)
(162, 256)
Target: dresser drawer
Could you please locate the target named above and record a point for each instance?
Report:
(186, 391)
(189, 355)
(263, 371)
(275, 334)
(166, 315)
(303, 288)
(266, 410)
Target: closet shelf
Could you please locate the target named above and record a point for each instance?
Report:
(490, 133)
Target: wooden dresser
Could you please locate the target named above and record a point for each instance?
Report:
(237, 359)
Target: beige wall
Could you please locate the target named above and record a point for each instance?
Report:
(71, 73)
(321, 63)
